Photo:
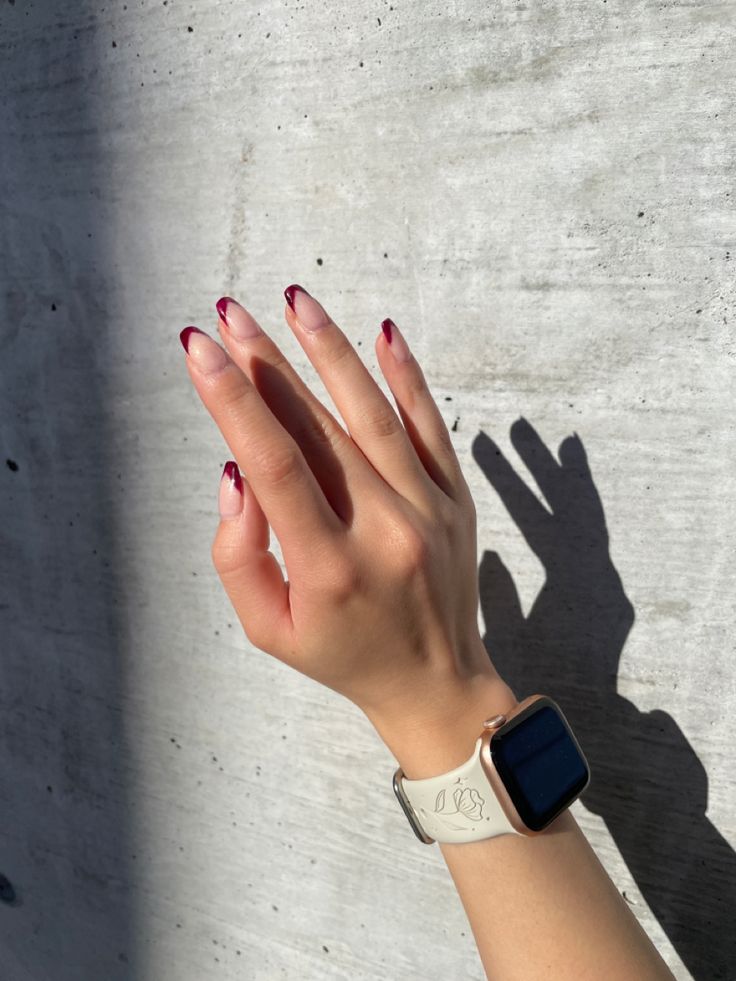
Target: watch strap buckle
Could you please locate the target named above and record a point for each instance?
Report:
(409, 810)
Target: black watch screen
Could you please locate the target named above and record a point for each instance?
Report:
(540, 763)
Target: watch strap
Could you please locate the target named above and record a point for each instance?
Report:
(457, 806)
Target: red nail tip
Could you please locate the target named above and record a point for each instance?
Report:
(289, 293)
(221, 307)
(186, 334)
(231, 470)
(387, 326)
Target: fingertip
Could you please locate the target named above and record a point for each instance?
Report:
(395, 341)
(230, 499)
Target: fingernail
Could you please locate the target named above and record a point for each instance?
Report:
(207, 354)
(309, 313)
(399, 347)
(236, 318)
(230, 501)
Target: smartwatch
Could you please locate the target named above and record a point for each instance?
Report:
(527, 767)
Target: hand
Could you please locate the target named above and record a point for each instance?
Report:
(377, 528)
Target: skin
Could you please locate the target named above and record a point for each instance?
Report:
(370, 517)
(368, 520)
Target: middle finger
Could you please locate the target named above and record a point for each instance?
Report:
(371, 419)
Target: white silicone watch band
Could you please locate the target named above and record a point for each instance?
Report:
(459, 805)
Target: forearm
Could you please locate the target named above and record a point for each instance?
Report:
(542, 906)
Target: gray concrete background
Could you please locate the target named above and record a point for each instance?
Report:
(541, 196)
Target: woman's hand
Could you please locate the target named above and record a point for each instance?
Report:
(377, 526)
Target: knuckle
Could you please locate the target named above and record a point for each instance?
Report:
(415, 387)
(342, 580)
(233, 395)
(338, 350)
(313, 430)
(446, 518)
(412, 552)
(445, 440)
(457, 519)
(224, 558)
(277, 465)
(379, 422)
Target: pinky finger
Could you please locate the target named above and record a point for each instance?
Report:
(250, 573)
(419, 412)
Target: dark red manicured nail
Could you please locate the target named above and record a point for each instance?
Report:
(387, 326)
(221, 307)
(186, 334)
(231, 470)
(289, 293)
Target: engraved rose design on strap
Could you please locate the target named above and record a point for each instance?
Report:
(468, 803)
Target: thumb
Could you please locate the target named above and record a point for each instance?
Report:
(249, 572)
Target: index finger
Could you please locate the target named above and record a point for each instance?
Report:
(282, 481)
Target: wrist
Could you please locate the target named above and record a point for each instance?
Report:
(444, 735)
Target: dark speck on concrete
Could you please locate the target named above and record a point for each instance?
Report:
(448, 398)
(454, 425)
(699, 310)
(53, 306)
(114, 44)
(12, 465)
(385, 255)
(7, 893)
(379, 21)
(640, 214)
(190, 29)
(361, 64)
(319, 262)
(325, 949)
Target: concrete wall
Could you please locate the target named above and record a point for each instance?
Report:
(540, 194)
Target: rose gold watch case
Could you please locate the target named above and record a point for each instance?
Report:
(489, 768)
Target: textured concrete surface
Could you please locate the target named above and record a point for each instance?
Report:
(541, 196)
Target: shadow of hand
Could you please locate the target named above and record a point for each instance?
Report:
(646, 781)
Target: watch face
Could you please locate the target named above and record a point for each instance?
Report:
(540, 763)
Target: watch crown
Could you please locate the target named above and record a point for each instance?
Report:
(495, 722)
